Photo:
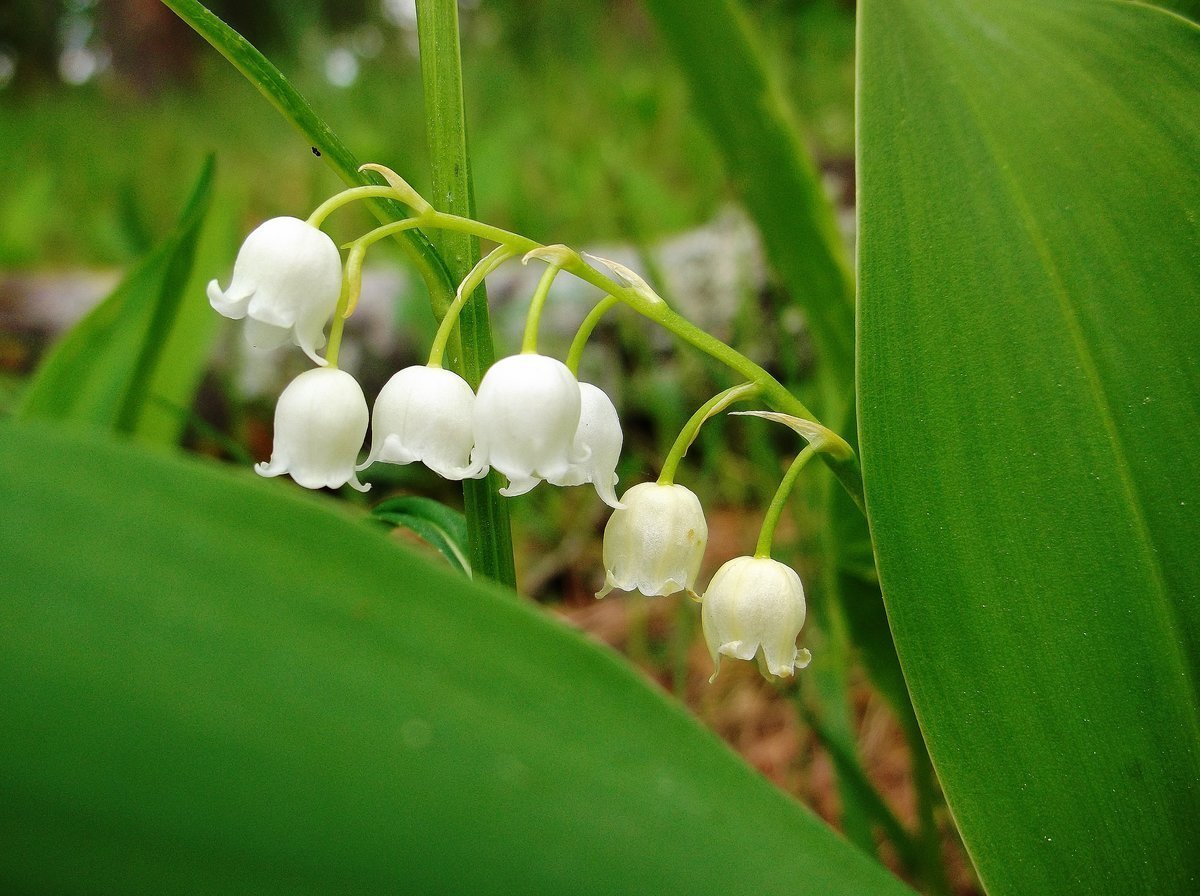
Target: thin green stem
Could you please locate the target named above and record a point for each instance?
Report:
(333, 203)
(489, 263)
(488, 531)
(371, 237)
(339, 322)
(536, 304)
(691, 429)
(771, 519)
(584, 333)
(651, 306)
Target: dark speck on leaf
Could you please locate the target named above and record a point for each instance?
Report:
(316, 152)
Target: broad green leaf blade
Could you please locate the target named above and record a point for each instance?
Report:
(751, 122)
(443, 527)
(265, 697)
(1029, 391)
(100, 372)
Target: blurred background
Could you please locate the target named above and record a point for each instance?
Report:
(582, 132)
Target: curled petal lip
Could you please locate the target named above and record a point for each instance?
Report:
(226, 302)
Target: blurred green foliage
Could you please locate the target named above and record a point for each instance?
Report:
(581, 128)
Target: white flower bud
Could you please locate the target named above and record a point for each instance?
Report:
(599, 437)
(320, 423)
(426, 414)
(754, 606)
(656, 542)
(526, 415)
(286, 280)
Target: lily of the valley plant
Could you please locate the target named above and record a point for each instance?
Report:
(531, 420)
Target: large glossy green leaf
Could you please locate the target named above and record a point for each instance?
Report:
(1029, 397)
(211, 684)
(101, 373)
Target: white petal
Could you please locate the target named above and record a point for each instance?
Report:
(320, 422)
(426, 414)
(525, 418)
(227, 302)
(755, 606)
(598, 440)
(288, 274)
(655, 543)
(264, 336)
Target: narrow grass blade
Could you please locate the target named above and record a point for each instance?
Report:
(441, 75)
(101, 372)
(491, 534)
(271, 83)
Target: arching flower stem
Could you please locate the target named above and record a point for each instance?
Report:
(470, 283)
(638, 298)
(339, 322)
(691, 429)
(536, 304)
(333, 203)
(766, 535)
(579, 343)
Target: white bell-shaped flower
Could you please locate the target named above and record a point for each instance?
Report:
(754, 606)
(320, 423)
(656, 542)
(599, 437)
(286, 282)
(426, 414)
(526, 416)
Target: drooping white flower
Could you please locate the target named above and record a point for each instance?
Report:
(754, 606)
(656, 542)
(286, 282)
(599, 437)
(526, 416)
(426, 414)
(320, 423)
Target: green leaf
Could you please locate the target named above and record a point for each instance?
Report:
(101, 372)
(172, 388)
(1029, 390)
(441, 526)
(751, 122)
(265, 697)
